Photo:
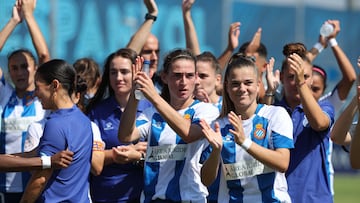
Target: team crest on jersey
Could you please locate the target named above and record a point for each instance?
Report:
(187, 116)
(108, 126)
(228, 138)
(259, 132)
(29, 99)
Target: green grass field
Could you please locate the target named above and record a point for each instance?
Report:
(347, 188)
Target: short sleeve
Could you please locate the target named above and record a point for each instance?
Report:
(98, 143)
(53, 139)
(33, 135)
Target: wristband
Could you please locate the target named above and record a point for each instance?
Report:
(148, 16)
(319, 47)
(333, 42)
(246, 144)
(46, 162)
(269, 94)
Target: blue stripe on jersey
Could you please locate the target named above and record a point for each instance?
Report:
(151, 173)
(139, 122)
(152, 169)
(282, 141)
(228, 151)
(9, 108)
(228, 154)
(2, 182)
(235, 191)
(25, 177)
(156, 131)
(2, 151)
(266, 186)
(2, 143)
(173, 189)
(29, 108)
(23, 138)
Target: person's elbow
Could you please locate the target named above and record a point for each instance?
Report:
(283, 161)
(320, 125)
(96, 171)
(283, 167)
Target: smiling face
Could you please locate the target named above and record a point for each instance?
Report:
(242, 87)
(120, 76)
(22, 72)
(44, 92)
(181, 79)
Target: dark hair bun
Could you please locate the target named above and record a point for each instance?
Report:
(80, 84)
(297, 48)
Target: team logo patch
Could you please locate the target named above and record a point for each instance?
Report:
(187, 116)
(29, 99)
(259, 132)
(108, 126)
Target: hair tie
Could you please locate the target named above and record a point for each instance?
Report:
(321, 72)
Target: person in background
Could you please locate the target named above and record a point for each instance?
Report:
(208, 87)
(209, 77)
(253, 48)
(118, 181)
(207, 66)
(308, 172)
(341, 132)
(147, 45)
(88, 70)
(253, 169)
(340, 92)
(67, 128)
(171, 124)
(355, 143)
(20, 105)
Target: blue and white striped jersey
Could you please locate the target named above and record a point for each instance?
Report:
(172, 168)
(17, 115)
(244, 178)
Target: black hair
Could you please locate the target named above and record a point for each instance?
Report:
(18, 51)
(58, 69)
(262, 51)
